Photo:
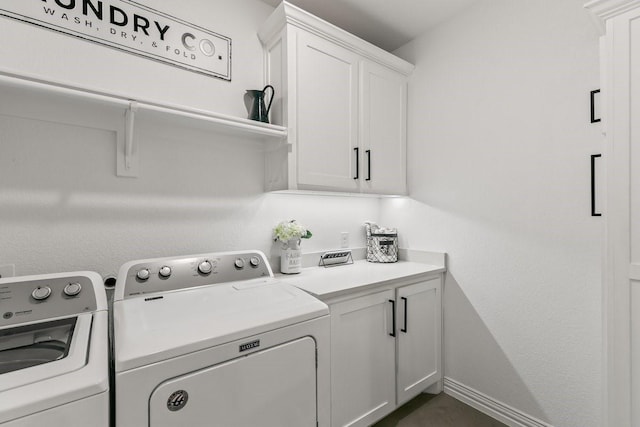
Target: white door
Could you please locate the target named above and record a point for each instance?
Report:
(362, 360)
(633, 32)
(272, 388)
(383, 132)
(326, 124)
(622, 281)
(419, 325)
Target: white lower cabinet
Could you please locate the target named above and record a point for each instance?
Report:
(362, 360)
(385, 349)
(418, 338)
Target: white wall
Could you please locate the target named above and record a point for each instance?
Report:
(498, 171)
(62, 207)
(499, 145)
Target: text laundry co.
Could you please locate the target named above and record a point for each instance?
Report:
(130, 26)
(116, 16)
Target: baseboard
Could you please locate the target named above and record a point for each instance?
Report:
(495, 409)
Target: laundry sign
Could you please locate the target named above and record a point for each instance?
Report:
(132, 27)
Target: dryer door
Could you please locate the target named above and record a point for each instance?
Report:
(275, 387)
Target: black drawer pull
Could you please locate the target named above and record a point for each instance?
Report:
(594, 119)
(393, 318)
(368, 152)
(357, 150)
(593, 185)
(405, 315)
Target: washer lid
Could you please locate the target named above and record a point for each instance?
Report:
(31, 345)
(82, 373)
(35, 352)
(163, 326)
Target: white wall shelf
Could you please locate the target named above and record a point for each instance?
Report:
(134, 109)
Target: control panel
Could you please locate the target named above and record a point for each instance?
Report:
(168, 274)
(38, 299)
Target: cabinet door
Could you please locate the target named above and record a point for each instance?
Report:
(362, 360)
(326, 114)
(419, 338)
(625, 191)
(383, 130)
(621, 93)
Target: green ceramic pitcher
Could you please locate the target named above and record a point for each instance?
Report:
(259, 111)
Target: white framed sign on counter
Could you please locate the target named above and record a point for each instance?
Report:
(132, 27)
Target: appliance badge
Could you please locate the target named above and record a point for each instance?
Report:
(249, 345)
(177, 400)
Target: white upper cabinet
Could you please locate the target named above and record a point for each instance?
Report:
(343, 101)
(383, 109)
(327, 121)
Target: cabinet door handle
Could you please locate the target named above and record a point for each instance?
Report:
(593, 184)
(593, 106)
(405, 315)
(368, 153)
(393, 318)
(357, 150)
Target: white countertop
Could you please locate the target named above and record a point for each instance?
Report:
(330, 282)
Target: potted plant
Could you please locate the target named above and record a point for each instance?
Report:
(290, 235)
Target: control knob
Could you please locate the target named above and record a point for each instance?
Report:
(239, 263)
(205, 267)
(72, 289)
(41, 293)
(143, 274)
(254, 261)
(165, 271)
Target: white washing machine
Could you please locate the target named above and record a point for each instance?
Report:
(54, 351)
(215, 340)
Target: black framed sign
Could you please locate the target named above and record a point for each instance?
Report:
(132, 27)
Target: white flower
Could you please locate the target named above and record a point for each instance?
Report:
(289, 230)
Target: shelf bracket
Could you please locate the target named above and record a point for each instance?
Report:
(127, 152)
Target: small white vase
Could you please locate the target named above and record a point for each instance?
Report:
(291, 257)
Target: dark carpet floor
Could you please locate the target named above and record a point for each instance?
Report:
(439, 410)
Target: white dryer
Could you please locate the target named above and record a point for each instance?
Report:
(215, 340)
(54, 351)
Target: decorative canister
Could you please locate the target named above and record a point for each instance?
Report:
(290, 234)
(291, 257)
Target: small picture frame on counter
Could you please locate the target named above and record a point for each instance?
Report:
(335, 258)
